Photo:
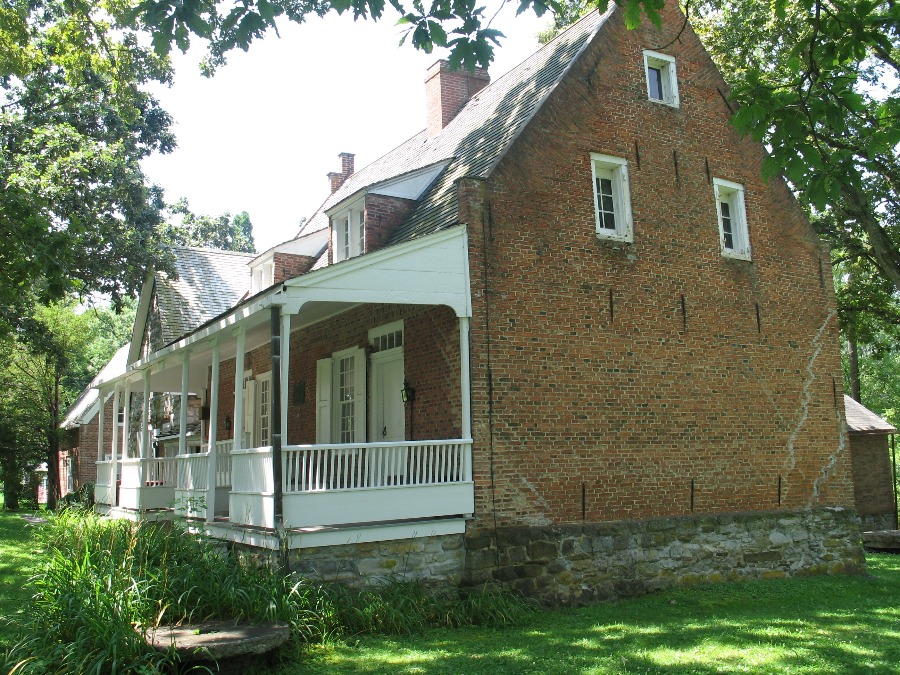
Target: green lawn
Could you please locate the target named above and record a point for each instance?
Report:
(16, 561)
(837, 624)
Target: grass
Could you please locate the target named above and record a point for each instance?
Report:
(836, 624)
(17, 561)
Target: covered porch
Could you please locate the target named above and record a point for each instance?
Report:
(363, 478)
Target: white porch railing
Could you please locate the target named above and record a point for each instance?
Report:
(354, 483)
(192, 474)
(351, 466)
(105, 487)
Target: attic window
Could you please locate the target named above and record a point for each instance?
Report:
(348, 232)
(662, 81)
(263, 276)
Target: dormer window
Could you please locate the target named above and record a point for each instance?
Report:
(662, 81)
(349, 232)
(262, 276)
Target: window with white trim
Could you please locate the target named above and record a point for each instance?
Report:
(662, 80)
(612, 203)
(733, 235)
(263, 276)
(348, 232)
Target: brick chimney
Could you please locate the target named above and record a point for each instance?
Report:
(447, 91)
(337, 179)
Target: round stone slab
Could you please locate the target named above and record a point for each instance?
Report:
(216, 640)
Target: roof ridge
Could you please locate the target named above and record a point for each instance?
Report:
(208, 249)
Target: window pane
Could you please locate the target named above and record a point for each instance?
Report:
(655, 82)
(606, 203)
(727, 233)
(346, 398)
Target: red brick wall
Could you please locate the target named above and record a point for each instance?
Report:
(596, 396)
(431, 362)
(288, 266)
(383, 215)
(871, 474)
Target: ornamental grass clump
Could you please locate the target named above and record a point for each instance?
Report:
(105, 583)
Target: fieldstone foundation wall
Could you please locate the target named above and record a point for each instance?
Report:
(875, 522)
(432, 560)
(570, 564)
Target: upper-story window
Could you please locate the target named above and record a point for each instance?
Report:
(662, 80)
(612, 204)
(733, 234)
(348, 232)
(262, 276)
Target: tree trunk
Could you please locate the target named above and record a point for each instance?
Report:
(853, 357)
(12, 483)
(53, 446)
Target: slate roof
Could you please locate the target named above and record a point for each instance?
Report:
(209, 283)
(861, 420)
(84, 408)
(476, 139)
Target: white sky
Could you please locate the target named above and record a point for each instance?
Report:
(261, 135)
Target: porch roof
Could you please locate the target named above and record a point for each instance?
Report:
(432, 270)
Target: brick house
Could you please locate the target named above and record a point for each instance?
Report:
(565, 337)
(873, 477)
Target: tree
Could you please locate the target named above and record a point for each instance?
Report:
(75, 212)
(42, 370)
(186, 228)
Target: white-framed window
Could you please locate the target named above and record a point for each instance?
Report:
(612, 202)
(264, 410)
(341, 397)
(734, 237)
(662, 79)
(263, 276)
(348, 232)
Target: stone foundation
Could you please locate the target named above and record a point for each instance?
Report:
(432, 560)
(570, 564)
(877, 521)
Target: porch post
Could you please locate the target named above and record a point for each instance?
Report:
(285, 372)
(182, 413)
(278, 497)
(126, 422)
(115, 445)
(464, 378)
(239, 389)
(213, 457)
(101, 422)
(145, 417)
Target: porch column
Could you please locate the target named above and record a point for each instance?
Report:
(115, 445)
(145, 417)
(101, 422)
(182, 413)
(126, 422)
(213, 456)
(464, 378)
(277, 497)
(285, 371)
(239, 389)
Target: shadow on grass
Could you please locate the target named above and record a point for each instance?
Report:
(845, 624)
(17, 561)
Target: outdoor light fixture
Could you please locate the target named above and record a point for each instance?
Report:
(407, 394)
(227, 422)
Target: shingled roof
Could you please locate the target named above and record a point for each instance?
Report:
(209, 283)
(476, 139)
(861, 420)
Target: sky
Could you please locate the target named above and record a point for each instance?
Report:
(263, 132)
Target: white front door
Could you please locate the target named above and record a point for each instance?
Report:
(386, 416)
